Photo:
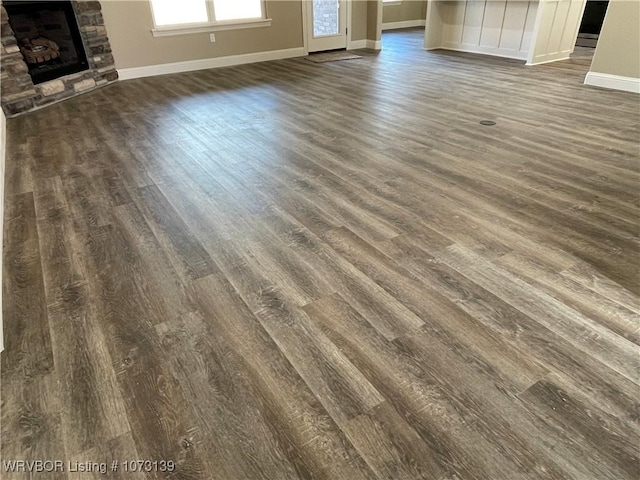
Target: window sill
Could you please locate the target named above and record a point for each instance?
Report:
(209, 27)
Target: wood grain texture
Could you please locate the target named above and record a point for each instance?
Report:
(293, 271)
(416, 395)
(31, 423)
(92, 409)
(24, 295)
(307, 436)
(618, 353)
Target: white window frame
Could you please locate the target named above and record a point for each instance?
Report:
(211, 25)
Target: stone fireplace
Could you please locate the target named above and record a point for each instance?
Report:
(50, 51)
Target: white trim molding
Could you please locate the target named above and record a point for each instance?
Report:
(3, 150)
(206, 63)
(370, 44)
(550, 58)
(615, 82)
(493, 52)
(403, 24)
(209, 27)
(307, 28)
(357, 44)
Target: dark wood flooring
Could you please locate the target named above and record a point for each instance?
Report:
(298, 270)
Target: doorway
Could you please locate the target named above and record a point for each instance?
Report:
(326, 22)
(592, 20)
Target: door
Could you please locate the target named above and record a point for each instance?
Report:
(327, 24)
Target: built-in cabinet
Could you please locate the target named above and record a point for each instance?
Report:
(537, 31)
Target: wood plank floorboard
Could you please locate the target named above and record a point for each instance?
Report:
(290, 270)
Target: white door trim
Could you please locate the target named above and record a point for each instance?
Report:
(306, 26)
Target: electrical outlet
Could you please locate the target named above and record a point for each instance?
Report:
(212, 37)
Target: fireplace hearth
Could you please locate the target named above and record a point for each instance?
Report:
(50, 51)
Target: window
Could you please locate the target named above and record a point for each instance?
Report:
(173, 17)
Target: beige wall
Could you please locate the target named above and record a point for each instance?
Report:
(405, 11)
(129, 24)
(359, 19)
(374, 20)
(364, 20)
(618, 49)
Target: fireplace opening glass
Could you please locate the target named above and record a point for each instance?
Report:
(48, 37)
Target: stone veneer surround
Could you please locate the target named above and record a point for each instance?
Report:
(18, 92)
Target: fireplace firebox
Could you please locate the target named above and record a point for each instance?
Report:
(48, 37)
(51, 51)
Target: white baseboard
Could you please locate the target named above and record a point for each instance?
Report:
(357, 44)
(206, 63)
(494, 52)
(615, 82)
(403, 24)
(370, 44)
(554, 57)
(3, 151)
